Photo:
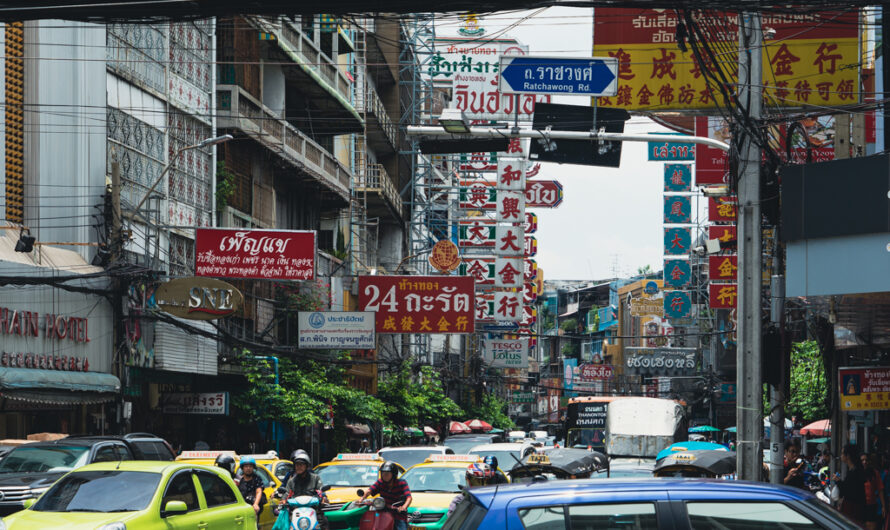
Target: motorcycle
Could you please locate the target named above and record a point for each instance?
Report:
(302, 509)
(380, 515)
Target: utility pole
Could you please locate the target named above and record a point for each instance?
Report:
(777, 391)
(748, 356)
(115, 249)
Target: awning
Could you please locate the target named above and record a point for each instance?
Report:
(58, 387)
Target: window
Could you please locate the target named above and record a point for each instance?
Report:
(181, 488)
(467, 516)
(283, 468)
(106, 453)
(100, 491)
(613, 516)
(264, 476)
(549, 518)
(216, 491)
(44, 459)
(153, 450)
(745, 516)
(122, 452)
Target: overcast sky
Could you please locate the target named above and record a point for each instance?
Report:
(610, 221)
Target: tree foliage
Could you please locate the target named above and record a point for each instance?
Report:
(809, 386)
(416, 401)
(493, 410)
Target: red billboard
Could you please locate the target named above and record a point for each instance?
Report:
(595, 372)
(723, 209)
(723, 295)
(419, 304)
(725, 233)
(255, 254)
(724, 267)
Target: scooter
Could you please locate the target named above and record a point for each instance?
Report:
(380, 515)
(302, 509)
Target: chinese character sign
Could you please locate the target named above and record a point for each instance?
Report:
(508, 272)
(722, 209)
(723, 233)
(508, 306)
(677, 209)
(511, 174)
(529, 293)
(477, 196)
(677, 304)
(865, 388)
(419, 304)
(677, 241)
(677, 177)
(482, 270)
(531, 222)
(509, 240)
(529, 316)
(531, 246)
(723, 295)
(723, 267)
(510, 206)
(476, 234)
(804, 63)
(677, 273)
(530, 271)
(484, 306)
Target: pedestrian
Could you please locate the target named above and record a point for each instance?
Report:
(366, 446)
(874, 492)
(852, 487)
(794, 466)
(731, 444)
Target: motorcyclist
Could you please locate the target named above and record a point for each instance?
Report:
(293, 458)
(227, 462)
(392, 489)
(492, 461)
(251, 485)
(305, 482)
(478, 474)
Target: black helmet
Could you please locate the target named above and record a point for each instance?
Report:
(227, 462)
(492, 461)
(390, 466)
(301, 456)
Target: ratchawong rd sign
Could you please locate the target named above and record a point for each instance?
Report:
(505, 353)
(419, 304)
(336, 330)
(255, 254)
(865, 388)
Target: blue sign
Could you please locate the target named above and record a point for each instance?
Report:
(677, 304)
(668, 151)
(677, 241)
(677, 209)
(651, 288)
(593, 76)
(501, 327)
(677, 273)
(677, 177)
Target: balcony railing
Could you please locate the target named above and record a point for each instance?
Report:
(239, 110)
(374, 178)
(368, 101)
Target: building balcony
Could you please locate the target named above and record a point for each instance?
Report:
(317, 77)
(381, 193)
(383, 134)
(380, 50)
(238, 110)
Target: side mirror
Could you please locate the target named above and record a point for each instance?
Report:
(360, 492)
(29, 502)
(282, 490)
(175, 507)
(326, 488)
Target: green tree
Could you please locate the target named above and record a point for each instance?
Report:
(225, 185)
(809, 385)
(415, 401)
(642, 271)
(493, 410)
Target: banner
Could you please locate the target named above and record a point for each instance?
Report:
(502, 353)
(255, 254)
(419, 304)
(865, 388)
(207, 403)
(659, 360)
(336, 330)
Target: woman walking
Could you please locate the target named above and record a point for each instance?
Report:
(852, 487)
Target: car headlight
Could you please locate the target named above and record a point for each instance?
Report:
(303, 523)
(110, 526)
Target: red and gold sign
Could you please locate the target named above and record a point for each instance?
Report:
(724, 233)
(723, 209)
(445, 257)
(723, 267)
(723, 295)
(419, 304)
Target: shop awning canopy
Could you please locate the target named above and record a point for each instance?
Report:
(51, 386)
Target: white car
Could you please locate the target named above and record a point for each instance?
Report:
(505, 453)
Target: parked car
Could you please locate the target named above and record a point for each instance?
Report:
(409, 455)
(138, 494)
(505, 453)
(29, 470)
(461, 443)
(642, 504)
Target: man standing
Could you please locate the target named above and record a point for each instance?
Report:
(392, 489)
(793, 470)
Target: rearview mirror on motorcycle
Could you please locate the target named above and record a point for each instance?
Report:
(326, 488)
(282, 490)
(360, 492)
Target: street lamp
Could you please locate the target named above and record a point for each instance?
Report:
(203, 143)
(454, 121)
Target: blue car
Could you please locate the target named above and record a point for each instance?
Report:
(657, 504)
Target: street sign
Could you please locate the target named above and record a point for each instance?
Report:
(677, 273)
(482, 194)
(419, 304)
(677, 177)
(500, 327)
(724, 267)
(677, 209)
(591, 76)
(677, 304)
(677, 241)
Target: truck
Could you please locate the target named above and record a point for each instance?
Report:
(641, 427)
(586, 421)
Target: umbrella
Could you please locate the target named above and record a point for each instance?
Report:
(496, 431)
(704, 428)
(456, 427)
(730, 429)
(478, 425)
(817, 428)
(689, 446)
(430, 431)
(819, 440)
(413, 431)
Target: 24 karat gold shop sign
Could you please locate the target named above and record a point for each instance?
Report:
(811, 59)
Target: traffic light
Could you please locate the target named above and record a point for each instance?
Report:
(577, 118)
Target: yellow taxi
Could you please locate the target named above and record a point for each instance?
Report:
(346, 473)
(434, 484)
(268, 468)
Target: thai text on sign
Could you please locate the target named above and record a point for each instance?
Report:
(419, 304)
(255, 254)
(865, 388)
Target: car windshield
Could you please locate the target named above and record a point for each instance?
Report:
(627, 472)
(433, 479)
(345, 475)
(100, 491)
(505, 458)
(408, 457)
(462, 445)
(44, 459)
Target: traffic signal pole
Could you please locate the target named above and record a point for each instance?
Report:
(749, 377)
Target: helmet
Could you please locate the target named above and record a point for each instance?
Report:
(227, 462)
(492, 461)
(248, 460)
(391, 467)
(301, 456)
(479, 474)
